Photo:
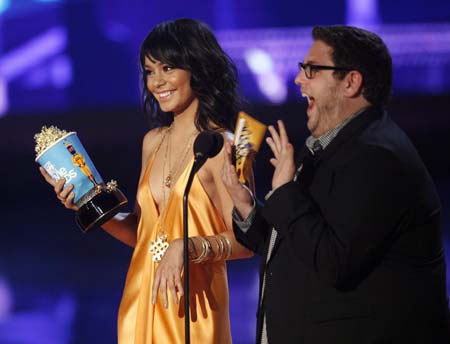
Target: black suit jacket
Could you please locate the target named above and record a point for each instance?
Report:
(359, 255)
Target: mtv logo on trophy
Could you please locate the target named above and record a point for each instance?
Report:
(62, 155)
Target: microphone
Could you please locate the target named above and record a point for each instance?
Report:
(207, 145)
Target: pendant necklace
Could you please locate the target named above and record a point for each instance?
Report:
(159, 246)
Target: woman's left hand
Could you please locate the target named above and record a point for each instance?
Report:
(168, 274)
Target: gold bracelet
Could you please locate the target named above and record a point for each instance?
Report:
(206, 251)
(192, 251)
(209, 250)
(196, 258)
(220, 248)
(202, 255)
(229, 247)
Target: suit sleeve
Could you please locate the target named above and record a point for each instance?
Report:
(342, 238)
(256, 232)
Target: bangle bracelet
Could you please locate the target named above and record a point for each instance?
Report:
(229, 247)
(206, 251)
(192, 252)
(220, 248)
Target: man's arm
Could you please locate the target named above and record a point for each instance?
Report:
(254, 231)
(250, 228)
(344, 236)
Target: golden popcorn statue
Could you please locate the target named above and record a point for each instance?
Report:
(62, 155)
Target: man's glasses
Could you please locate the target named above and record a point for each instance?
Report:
(311, 69)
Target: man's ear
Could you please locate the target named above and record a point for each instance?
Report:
(353, 84)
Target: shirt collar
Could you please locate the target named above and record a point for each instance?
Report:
(316, 143)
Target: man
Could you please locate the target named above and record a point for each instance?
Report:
(351, 234)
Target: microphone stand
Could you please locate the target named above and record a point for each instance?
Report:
(206, 145)
(187, 330)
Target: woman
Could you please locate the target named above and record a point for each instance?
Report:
(189, 86)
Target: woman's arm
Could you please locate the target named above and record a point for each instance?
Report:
(122, 226)
(211, 178)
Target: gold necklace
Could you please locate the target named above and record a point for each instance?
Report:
(173, 172)
(159, 247)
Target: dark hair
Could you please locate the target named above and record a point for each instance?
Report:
(364, 51)
(190, 45)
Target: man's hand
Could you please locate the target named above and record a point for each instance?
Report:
(283, 159)
(241, 197)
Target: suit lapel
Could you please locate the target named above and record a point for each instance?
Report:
(352, 129)
(298, 158)
(346, 134)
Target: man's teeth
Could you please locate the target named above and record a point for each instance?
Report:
(307, 97)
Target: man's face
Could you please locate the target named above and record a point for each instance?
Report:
(325, 100)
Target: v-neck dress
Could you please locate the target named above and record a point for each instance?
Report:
(141, 322)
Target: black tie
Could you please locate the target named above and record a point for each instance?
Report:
(307, 172)
(317, 148)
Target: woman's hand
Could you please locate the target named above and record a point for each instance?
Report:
(65, 195)
(168, 274)
(242, 199)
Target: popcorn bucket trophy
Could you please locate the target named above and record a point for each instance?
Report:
(62, 155)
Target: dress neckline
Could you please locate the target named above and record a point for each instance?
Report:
(147, 181)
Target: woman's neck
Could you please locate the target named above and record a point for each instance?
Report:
(184, 123)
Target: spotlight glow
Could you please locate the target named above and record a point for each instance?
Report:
(273, 87)
(4, 4)
(259, 61)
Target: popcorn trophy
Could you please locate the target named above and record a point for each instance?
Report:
(62, 155)
(248, 136)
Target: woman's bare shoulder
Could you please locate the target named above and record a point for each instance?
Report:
(151, 141)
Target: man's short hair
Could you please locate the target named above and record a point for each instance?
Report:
(364, 51)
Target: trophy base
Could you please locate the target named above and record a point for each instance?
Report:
(100, 209)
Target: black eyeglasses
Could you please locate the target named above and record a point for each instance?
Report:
(311, 69)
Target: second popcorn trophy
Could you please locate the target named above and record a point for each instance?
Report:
(62, 155)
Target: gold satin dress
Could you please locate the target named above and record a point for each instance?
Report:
(141, 322)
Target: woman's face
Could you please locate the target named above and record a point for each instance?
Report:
(170, 86)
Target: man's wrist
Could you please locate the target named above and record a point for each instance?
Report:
(244, 209)
(244, 223)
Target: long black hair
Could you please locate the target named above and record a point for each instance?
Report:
(190, 45)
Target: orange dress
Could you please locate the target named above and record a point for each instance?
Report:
(141, 322)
